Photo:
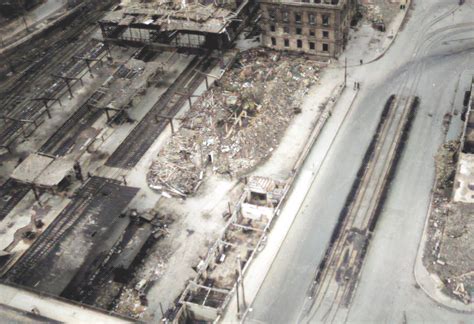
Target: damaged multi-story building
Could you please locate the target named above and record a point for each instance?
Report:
(316, 27)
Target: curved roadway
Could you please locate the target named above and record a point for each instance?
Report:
(427, 60)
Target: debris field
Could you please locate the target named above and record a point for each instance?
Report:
(237, 123)
(449, 250)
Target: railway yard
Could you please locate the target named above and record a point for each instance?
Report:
(82, 122)
(150, 149)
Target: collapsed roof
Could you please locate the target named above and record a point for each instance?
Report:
(207, 18)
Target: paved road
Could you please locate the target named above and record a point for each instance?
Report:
(426, 60)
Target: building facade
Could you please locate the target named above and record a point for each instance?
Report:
(316, 27)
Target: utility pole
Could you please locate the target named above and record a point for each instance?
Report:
(345, 72)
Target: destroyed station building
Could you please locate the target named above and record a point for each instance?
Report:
(178, 24)
(316, 27)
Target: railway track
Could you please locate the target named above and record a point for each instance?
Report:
(98, 195)
(11, 193)
(338, 273)
(51, 50)
(60, 143)
(137, 143)
(37, 81)
(64, 139)
(33, 110)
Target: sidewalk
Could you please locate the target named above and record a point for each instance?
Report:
(392, 32)
(306, 176)
(370, 45)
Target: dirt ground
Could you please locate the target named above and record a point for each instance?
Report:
(449, 252)
(198, 223)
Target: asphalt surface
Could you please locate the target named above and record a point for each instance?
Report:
(427, 59)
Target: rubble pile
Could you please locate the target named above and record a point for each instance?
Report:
(379, 11)
(132, 303)
(456, 260)
(449, 250)
(237, 123)
(373, 13)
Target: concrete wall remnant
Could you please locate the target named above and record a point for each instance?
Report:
(220, 274)
(262, 195)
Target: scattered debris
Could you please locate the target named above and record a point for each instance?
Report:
(237, 124)
(245, 233)
(379, 12)
(449, 249)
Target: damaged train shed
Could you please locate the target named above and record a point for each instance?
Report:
(168, 25)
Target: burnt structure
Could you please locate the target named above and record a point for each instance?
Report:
(315, 27)
(78, 239)
(179, 25)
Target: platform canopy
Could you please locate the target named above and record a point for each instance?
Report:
(43, 171)
(210, 18)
